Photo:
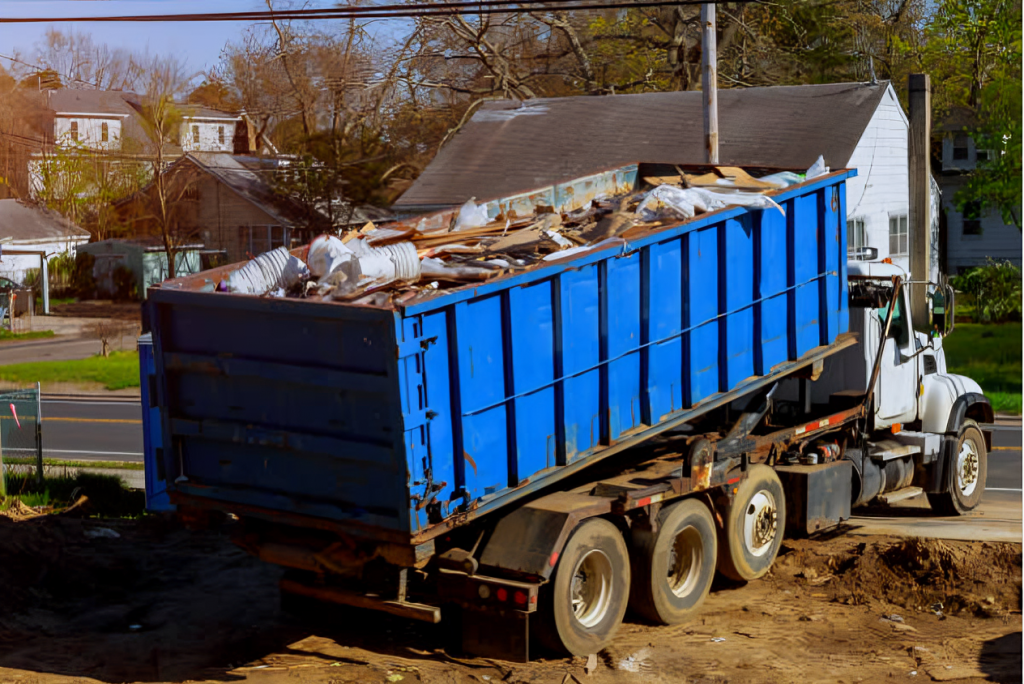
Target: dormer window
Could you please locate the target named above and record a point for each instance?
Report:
(104, 132)
(74, 131)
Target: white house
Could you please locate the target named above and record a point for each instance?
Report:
(207, 130)
(509, 147)
(974, 235)
(37, 230)
(93, 119)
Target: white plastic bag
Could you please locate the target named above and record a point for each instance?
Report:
(782, 179)
(326, 253)
(745, 199)
(472, 215)
(666, 200)
(818, 168)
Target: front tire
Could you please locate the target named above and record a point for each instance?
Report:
(673, 567)
(754, 522)
(583, 606)
(965, 474)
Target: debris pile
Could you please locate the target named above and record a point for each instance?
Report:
(401, 261)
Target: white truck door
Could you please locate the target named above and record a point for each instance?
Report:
(897, 378)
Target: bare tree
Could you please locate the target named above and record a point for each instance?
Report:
(81, 63)
(164, 79)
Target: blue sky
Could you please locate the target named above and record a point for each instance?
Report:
(200, 43)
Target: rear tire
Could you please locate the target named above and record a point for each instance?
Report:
(582, 607)
(965, 475)
(754, 522)
(673, 567)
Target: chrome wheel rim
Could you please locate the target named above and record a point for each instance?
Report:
(685, 558)
(967, 467)
(592, 588)
(760, 521)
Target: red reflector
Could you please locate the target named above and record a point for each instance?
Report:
(520, 598)
(502, 595)
(554, 559)
(533, 599)
(733, 480)
(643, 502)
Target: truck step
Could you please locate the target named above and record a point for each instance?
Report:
(900, 495)
(888, 449)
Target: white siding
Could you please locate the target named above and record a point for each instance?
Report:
(17, 266)
(90, 132)
(209, 136)
(882, 186)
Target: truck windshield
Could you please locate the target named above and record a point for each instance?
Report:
(899, 330)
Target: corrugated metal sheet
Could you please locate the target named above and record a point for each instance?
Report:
(511, 147)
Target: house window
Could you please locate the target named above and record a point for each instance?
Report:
(856, 240)
(104, 132)
(74, 131)
(195, 135)
(982, 155)
(191, 194)
(972, 219)
(220, 134)
(960, 146)
(899, 237)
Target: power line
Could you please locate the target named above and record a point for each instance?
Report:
(401, 11)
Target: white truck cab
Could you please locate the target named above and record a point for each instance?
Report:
(925, 432)
(913, 385)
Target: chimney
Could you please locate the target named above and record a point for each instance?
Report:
(920, 170)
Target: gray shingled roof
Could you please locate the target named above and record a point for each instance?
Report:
(250, 185)
(198, 111)
(25, 222)
(90, 102)
(509, 147)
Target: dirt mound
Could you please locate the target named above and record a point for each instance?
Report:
(948, 577)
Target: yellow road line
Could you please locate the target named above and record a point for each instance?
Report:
(129, 421)
(1016, 448)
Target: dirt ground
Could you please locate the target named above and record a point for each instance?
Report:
(143, 600)
(99, 308)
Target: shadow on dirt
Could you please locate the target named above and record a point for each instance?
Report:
(1001, 658)
(159, 603)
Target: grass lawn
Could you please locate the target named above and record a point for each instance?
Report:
(108, 496)
(991, 356)
(96, 465)
(34, 335)
(118, 371)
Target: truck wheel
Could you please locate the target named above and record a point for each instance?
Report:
(673, 567)
(584, 604)
(965, 475)
(753, 526)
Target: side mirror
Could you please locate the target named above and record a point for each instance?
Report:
(950, 310)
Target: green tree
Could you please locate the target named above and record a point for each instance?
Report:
(973, 51)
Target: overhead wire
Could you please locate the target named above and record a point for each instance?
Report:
(397, 11)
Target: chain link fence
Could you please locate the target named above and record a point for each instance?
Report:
(21, 433)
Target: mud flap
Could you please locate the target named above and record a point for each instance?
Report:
(505, 635)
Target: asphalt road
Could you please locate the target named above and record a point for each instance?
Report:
(92, 431)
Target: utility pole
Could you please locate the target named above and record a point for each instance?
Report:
(709, 81)
(920, 172)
